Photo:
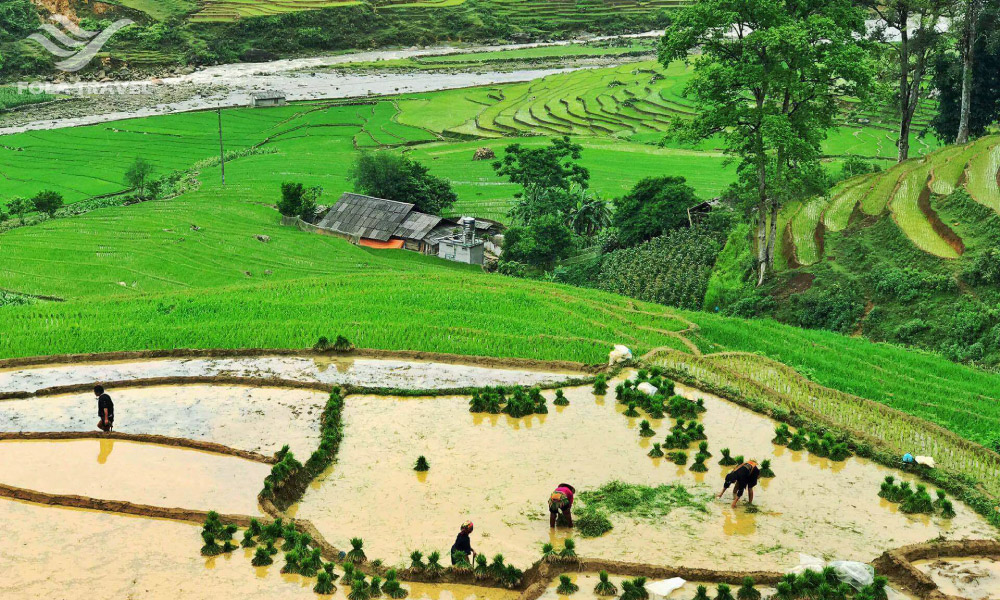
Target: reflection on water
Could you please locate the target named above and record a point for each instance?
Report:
(107, 445)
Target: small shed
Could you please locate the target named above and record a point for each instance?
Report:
(268, 99)
(464, 247)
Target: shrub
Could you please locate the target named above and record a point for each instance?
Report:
(357, 553)
(421, 464)
(765, 469)
(593, 523)
(261, 557)
(566, 586)
(604, 587)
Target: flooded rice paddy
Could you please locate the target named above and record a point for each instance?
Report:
(975, 578)
(255, 419)
(372, 372)
(498, 472)
(51, 552)
(140, 473)
(587, 581)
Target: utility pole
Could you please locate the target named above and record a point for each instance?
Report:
(222, 151)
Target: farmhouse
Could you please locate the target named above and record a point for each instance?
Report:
(267, 99)
(380, 223)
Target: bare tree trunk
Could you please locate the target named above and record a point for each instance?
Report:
(773, 236)
(761, 222)
(968, 51)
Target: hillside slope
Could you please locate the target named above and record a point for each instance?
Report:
(907, 255)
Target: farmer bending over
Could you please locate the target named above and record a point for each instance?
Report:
(105, 410)
(463, 544)
(745, 477)
(561, 500)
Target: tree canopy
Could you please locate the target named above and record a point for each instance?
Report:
(392, 176)
(651, 208)
(767, 79)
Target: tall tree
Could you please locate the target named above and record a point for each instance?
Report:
(392, 176)
(967, 46)
(918, 25)
(767, 78)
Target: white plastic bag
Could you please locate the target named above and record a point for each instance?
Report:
(619, 354)
(647, 388)
(659, 590)
(855, 574)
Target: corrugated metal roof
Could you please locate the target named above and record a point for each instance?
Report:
(365, 216)
(417, 225)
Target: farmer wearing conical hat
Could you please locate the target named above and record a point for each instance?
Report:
(463, 543)
(745, 477)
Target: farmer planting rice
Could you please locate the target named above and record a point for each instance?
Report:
(561, 500)
(745, 477)
(463, 543)
(105, 410)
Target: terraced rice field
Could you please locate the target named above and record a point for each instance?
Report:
(905, 191)
(568, 10)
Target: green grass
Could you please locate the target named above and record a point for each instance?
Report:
(642, 501)
(983, 172)
(11, 97)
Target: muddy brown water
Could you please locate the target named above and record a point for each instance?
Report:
(51, 552)
(404, 374)
(140, 473)
(498, 472)
(975, 577)
(254, 419)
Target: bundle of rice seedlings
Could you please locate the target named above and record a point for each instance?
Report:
(460, 562)
(211, 548)
(324, 584)
(421, 465)
(481, 570)
(269, 547)
(434, 566)
(560, 399)
(941, 497)
(511, 577)
(797, 442)
(747, 591)
(604, 587)
(548, 552)
(348, 573)
(357, 553)
(272, 530)
(888, 488)
(329, 568)
(765, 468)
(311, 563)
(678, 457)
(677, 440)
(392, 588)
(255, 528)
(699, 463)
(291, 562)
(227, 532)
(291, 538)
(727, 460)
(739, 459)
(781, 435)
(839, 452)
(593, 522)
(703, 449)
(261, 557)
(631, 411)
(497, 567)
(375, 587)
(639, 585)
(696, 431)
(213, 524)
(569, 550)
(417, 560)
(645, 429)
(601, 384)
(248, 541)
(566, 586)
(359, 588)
(723, 592)
(656, 452)
(701, 593)
(947, 509)
(785, 591)
(655, 409)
